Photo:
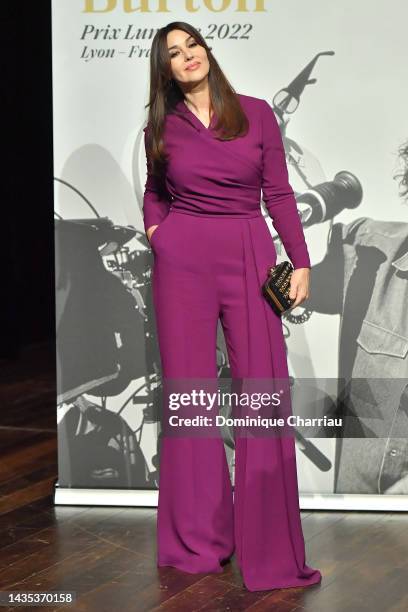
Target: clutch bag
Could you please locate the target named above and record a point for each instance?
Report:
(277, 286)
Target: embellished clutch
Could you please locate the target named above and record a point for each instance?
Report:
(277, 286)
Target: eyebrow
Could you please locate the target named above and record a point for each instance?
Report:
(174, 46)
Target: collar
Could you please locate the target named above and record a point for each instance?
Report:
(181, 106)
(402, 262)
(387, 236)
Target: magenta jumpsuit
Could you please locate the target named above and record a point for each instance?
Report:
(211, 253)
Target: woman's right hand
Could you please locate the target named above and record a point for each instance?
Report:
(151, 231)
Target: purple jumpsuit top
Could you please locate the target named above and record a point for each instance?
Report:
(212, 249)
(226, 177)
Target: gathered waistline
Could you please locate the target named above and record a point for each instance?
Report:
(226, 215)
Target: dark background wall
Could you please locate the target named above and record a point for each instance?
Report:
(27, 253)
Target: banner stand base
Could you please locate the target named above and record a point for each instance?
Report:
(149, 497)
(67, 496)
(354, 501)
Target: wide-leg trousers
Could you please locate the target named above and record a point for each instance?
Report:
(207, 269)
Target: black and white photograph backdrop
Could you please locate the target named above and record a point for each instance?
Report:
(335, 75)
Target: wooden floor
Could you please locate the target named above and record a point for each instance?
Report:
(107, 555)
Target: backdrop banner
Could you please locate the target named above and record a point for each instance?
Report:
(329, 79)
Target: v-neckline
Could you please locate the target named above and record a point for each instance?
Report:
(198, 121)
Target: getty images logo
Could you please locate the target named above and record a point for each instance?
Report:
(166, 6)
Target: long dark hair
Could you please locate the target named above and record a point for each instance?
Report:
(165, 94)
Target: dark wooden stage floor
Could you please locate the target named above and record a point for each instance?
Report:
(107, 555)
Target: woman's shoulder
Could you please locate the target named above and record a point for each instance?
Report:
(251, 102)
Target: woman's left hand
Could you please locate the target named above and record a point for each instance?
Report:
(299, 286)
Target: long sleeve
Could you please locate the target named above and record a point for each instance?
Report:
(277, 192)
(156, 203)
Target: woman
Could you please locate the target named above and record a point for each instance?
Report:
(210, 151)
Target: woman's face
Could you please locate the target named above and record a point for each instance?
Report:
(185, 54)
